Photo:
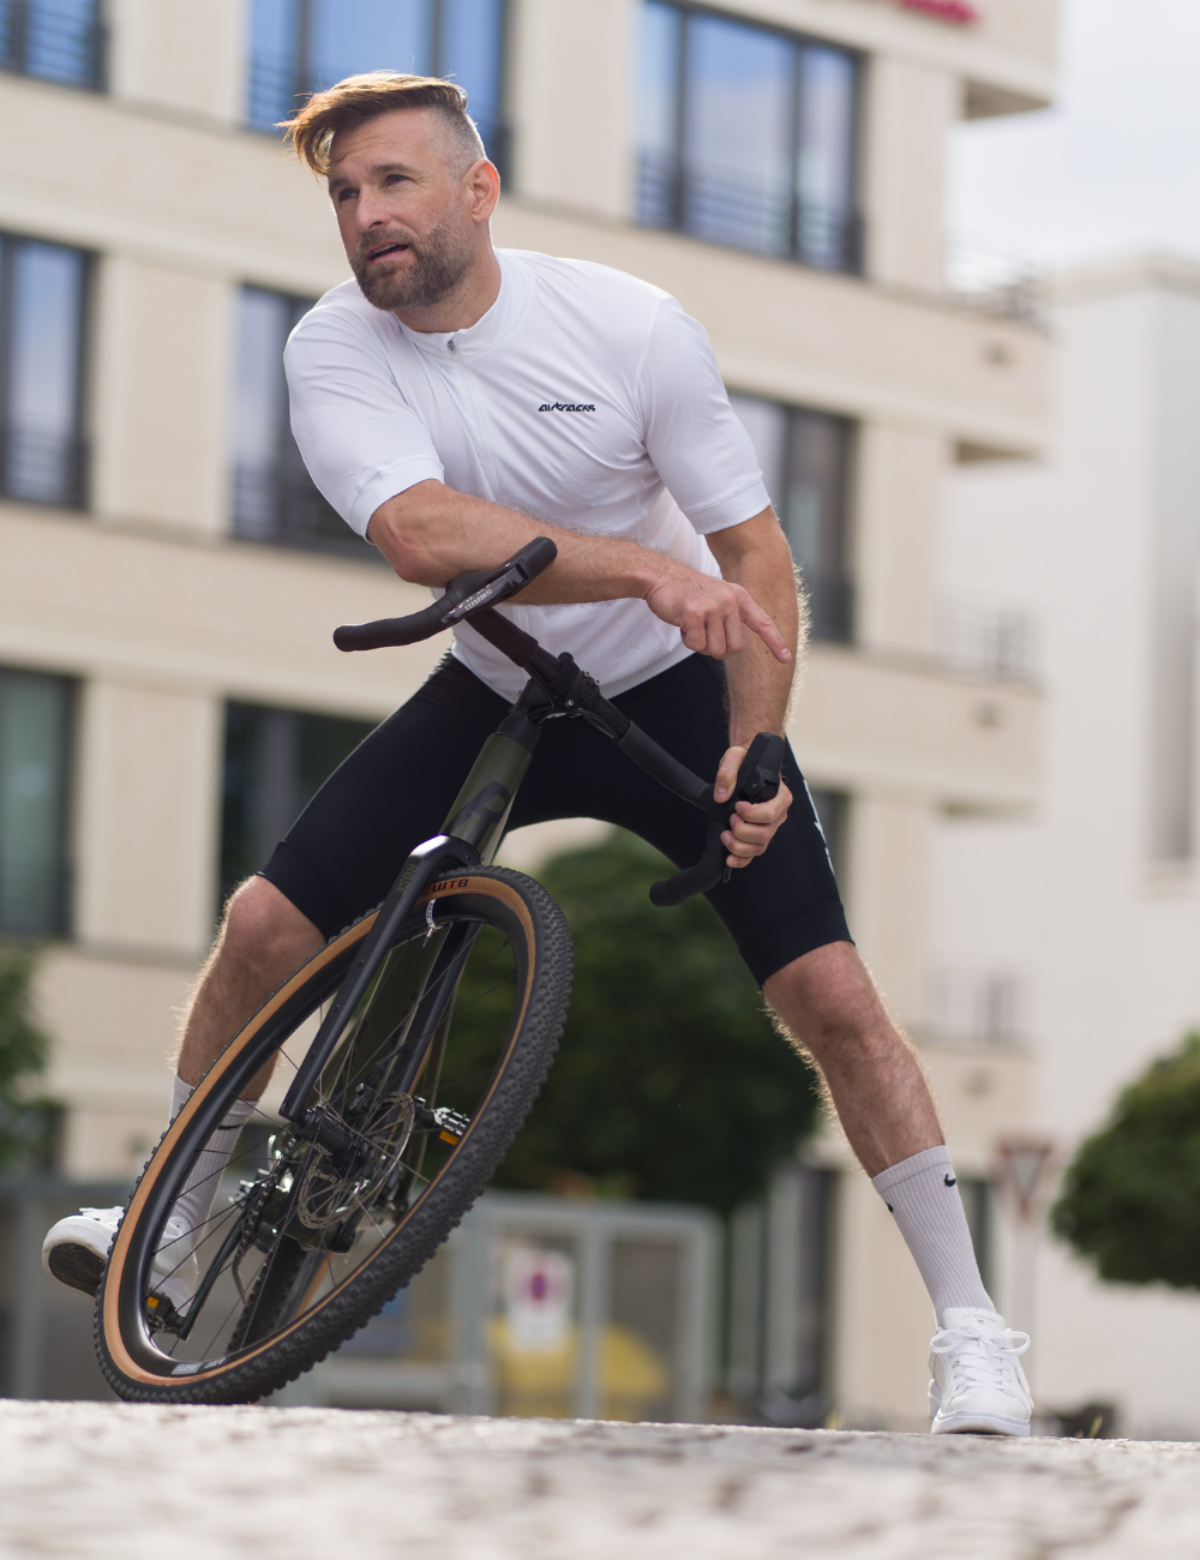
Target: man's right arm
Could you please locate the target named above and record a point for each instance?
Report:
(429, 533)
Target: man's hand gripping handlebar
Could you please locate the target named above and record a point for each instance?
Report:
(472, 598)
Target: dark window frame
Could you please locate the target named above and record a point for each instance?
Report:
(60, 924)
(15, 18)
(497, 137)
(78, 494)
(979, 1206)
(834, 807)
(830, 597)
(854, 238)
(302, 517)
(269, 741)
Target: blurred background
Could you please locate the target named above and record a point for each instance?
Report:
(944, 254)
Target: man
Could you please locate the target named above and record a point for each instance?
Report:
(452, 403)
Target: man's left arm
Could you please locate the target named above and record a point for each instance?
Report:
(756, 555)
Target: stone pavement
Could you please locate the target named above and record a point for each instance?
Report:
(84, 1480)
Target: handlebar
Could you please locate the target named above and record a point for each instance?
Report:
(758, 781)
(471, 597)
(466, 593)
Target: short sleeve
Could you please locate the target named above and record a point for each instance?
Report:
(360, 440)
(693, 436)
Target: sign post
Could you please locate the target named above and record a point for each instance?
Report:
(1022, 1176)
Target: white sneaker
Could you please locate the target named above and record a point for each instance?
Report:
(978, 1385)
(75, 1249)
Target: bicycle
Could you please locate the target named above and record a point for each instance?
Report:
(411, 1046)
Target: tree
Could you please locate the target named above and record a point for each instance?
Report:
(671, 1082)
(1131, 1198)
(26, 1122)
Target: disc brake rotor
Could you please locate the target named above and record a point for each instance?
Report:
(330, 1190)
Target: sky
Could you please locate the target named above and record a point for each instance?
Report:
(1114, 167)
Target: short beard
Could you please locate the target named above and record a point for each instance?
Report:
(438, 262)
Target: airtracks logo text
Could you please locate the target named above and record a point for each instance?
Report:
(566, 406)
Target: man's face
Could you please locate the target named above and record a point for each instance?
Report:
(405, 220)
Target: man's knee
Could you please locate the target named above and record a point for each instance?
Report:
(263, 926)
(828, 999)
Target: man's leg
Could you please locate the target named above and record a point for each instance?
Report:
(829, 1003)
(263, 938)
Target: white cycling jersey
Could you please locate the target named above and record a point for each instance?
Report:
(583, 397)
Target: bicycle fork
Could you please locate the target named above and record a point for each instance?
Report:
(470, 838)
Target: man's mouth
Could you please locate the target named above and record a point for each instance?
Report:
(385, 249)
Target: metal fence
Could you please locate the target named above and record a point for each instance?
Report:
(549, 1307)
(535, 1306)
(46, 1348)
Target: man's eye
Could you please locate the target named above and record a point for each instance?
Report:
(345, 195)
(395, 178)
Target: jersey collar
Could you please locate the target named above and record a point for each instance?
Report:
(487, 332)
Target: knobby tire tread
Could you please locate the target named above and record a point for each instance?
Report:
(458, 1188)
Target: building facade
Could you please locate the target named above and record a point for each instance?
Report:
(1094, 905)
(168, 577)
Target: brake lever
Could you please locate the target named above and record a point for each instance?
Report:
(465, 594)
(758, 780)
(482, 587)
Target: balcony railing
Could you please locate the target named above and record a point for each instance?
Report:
(286, 509)
(985, 639)
(43, 468)
(277, 88)
(59, 43)
(987, 280)
(977, 1007)
(767, 220)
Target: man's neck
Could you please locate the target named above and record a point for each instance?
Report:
(465, 306)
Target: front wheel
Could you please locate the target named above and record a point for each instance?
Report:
(308, 1238)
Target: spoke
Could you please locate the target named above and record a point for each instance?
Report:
(286, 1280)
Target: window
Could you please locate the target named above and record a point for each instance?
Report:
(747, 136)
(833, 814)
(35, 723)
(275, 762)
(42, 295)
(274, 498)
(300, 46)
(805, 458)
(977, 1200)
(55, 40)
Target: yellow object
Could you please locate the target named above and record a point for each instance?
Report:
(540, 1383)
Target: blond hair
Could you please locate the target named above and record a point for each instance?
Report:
(358, 99)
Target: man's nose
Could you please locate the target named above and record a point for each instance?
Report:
(369, 211)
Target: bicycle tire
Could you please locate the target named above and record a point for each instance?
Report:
(518, 945)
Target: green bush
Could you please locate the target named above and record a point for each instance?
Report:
(26, 1121)
(1131, 1197)
(671, 1082)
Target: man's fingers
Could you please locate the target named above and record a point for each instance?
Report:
(764, 626)
(771, 813)
(727, 774)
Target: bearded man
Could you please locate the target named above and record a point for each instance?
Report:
(452, 403)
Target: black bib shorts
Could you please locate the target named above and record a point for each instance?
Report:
(343, 853)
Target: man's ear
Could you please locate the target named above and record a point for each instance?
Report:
(483, 184)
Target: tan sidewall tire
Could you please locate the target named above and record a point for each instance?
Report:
(525, 906)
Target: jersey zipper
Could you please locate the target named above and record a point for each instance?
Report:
(479, 424)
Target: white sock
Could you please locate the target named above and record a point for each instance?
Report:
(194, 1204)
(922, 1194)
